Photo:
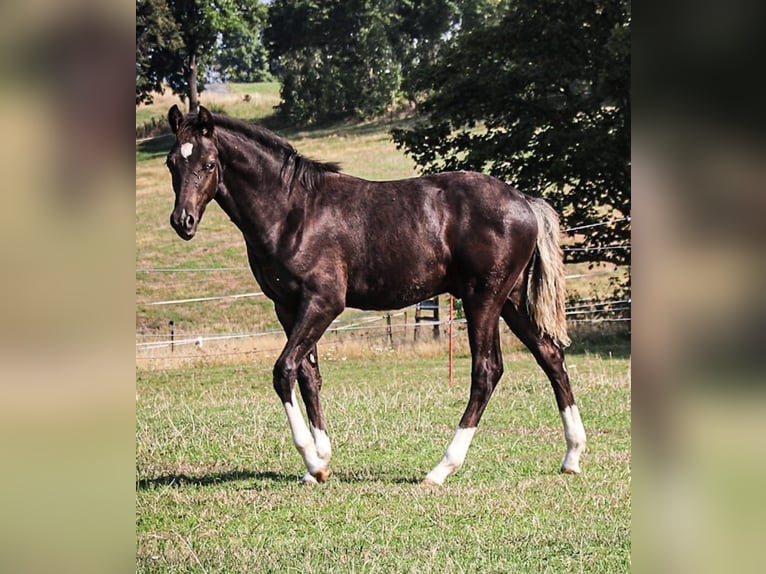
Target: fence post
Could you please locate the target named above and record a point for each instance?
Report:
(451, 344)
(172, 335)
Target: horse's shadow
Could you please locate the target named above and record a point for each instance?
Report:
(369, 478)
(181, 480)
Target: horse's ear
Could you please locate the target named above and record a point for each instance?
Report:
(205, 121)
(174, 118)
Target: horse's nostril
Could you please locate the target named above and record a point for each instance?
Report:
(189, 221)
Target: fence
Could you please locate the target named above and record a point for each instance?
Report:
(393, 330)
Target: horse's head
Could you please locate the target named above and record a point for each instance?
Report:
(193, 165)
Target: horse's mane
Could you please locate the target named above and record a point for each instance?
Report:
(295, 167)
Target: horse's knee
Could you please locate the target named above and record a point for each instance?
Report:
(551, 355)
(283, 378)
(309, 377)
(497, 372)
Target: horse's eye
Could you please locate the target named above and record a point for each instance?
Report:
(210, 165)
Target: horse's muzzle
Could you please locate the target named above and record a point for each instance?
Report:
(184, 223)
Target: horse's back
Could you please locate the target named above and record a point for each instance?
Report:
(482, 200)
(407, 240)
(469, 198)
(493, 226)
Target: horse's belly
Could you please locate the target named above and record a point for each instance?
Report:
(385, 302)
(393, 291)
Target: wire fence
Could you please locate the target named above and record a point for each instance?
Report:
(394, 327)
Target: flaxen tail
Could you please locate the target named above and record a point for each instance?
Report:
(546, 294)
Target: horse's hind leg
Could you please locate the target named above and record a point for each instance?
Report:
(550, 356)
(486, 370)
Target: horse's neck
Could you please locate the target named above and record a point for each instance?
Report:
(251, 193)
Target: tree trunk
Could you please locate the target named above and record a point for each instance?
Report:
(193, 96)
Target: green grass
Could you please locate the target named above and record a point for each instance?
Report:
(217, 474)
(263, 88)
(154, 148)
(146, 113)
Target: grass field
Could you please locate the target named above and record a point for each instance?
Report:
(216, 472)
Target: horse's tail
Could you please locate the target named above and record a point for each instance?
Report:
(546, 295)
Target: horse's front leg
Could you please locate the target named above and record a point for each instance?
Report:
(298, 361)
(310, 383)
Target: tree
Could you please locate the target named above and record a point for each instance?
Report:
(423, 26)
(335, 58)
(157, 42)
(176, 43)
(191, 31)
(540, 98)
(357, 57)
(426, 29)
(241, 55)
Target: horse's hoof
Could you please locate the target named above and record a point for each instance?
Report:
(569, 470)
(308, 479)
(428, 482)
(322, 475)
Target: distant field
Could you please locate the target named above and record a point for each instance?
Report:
(217, 474)
(263, 97)
(270, 89)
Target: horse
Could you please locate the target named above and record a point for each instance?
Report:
(319, 240)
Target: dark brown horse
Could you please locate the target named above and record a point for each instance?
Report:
(319, 241)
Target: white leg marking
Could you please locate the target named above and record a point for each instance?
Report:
(454, 456)
(574, 432)
(322, 442)
(309, 479)
(302, 438)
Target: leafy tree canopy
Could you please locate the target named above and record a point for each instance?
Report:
(340, 58)
(241, 55)
(179, 41)
(541, 98)
(335, 57)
